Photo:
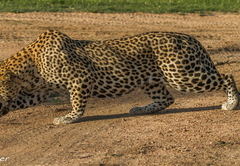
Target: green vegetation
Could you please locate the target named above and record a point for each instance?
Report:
(120, 6)
(114, 155)
(54, 95)
(223, 143)
(57, 100)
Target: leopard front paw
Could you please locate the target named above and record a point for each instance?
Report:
(63, 120)
(136, 111)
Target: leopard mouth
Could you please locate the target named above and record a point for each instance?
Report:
(0, 106)
(1, 112)
(3, 108)
(5, 111)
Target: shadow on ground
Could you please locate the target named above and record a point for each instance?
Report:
(168, 111)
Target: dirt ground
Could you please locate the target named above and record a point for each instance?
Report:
(193, 131)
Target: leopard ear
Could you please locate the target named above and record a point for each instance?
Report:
(8, 77)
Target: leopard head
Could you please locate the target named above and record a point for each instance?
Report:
(7, 90)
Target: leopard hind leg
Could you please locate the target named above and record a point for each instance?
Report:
(232, 93)
(161, 97)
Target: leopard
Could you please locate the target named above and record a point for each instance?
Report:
(80, 69)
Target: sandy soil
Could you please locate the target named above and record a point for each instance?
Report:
(193, 131)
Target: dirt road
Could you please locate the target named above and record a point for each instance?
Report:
(193, 131)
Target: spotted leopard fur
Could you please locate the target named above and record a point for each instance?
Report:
(55, 63)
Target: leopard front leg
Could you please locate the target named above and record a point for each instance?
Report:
(232, 93)
(161, 97)
(78, 96)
